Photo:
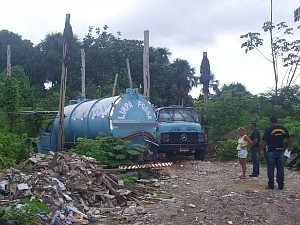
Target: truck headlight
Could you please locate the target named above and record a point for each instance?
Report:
(201, 137)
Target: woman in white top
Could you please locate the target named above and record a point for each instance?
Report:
(243, 143)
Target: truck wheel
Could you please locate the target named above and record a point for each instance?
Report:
(199, 155)
(153, 156)
(35, 149)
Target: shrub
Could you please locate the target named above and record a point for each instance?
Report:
(25, 215)
(111, 152)
(128, 179)
(13, 149)
(226, 150)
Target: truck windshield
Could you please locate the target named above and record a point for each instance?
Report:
(181, 114)
(49, 127)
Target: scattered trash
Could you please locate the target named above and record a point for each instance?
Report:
(76, 188)
(168, 200)
(192, 206)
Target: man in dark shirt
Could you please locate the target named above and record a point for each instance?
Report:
(273, 139)
(255, 138)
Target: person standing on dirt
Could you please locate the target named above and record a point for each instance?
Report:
(243, 143)
(255, 138)
(273, 140)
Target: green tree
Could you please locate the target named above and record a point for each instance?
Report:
(213, 86)
(184, 79)
(48, 61)
(10, 99)
(281, 48)
(21, 51)
(106, 55)
(288, 102)
(233, 107)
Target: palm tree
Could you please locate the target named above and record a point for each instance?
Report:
(185, 78)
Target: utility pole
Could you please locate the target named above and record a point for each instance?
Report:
(82, 73)
(115, 85)
(8, 73)
(146, 72)
(68, 36)
(8, 64)
(129, 73)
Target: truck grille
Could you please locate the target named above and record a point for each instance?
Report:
(182, 138)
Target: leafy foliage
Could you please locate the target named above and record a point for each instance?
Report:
(226, 150)
(128, 179)
(109, 151)
(234, 106)
(24, 215)
(281, 48)
(105, 56)
(293, 126)
(297, 15)
(21, 51)
(10, 94)
(13, 149)
(231, 108)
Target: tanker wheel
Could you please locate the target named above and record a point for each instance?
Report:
(199, 154)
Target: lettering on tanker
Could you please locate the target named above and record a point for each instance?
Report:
(128, 105)
(80, 112)
(146, 109)
(124, 109)
(101, 109)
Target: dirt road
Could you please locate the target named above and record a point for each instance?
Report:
(197, 192)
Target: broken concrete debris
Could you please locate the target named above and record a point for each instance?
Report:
(76, 188)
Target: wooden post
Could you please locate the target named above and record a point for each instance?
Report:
(115, 85)
(129, 73)
(146, 72)
(68, 35)
(82, 73)
(8, 64)
(60, 142)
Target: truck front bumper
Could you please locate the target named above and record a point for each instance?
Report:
(180, 148)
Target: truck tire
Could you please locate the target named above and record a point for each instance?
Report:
(35, 148)
(153, 154)
(199, 154)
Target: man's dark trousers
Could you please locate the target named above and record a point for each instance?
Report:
(255, 160)
(275, 160)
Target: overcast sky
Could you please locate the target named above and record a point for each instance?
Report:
(186, 27)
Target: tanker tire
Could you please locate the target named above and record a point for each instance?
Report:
(199, 155)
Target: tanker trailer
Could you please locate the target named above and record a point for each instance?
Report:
(129, 116)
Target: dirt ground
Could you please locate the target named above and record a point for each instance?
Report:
(204, 192)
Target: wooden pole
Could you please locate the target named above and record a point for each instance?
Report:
(129, 73)
(115, 85)
(82, 72)
(8, 73)
(60, 142)
(146, 72)
(8, 64)
(63, 83)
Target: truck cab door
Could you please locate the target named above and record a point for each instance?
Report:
(46, 139)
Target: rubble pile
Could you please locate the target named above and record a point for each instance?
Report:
(75, 187)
